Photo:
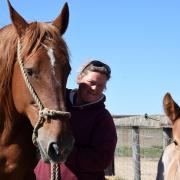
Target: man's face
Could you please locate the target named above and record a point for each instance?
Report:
(91, 86)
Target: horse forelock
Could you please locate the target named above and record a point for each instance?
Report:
(42, 33)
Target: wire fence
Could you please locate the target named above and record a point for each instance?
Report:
(140, 144)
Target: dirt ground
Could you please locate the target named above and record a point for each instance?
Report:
(124, 168)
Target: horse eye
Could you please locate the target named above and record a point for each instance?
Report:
(29, 71)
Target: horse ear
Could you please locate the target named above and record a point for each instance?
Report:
(171, 108)
(61, 22)
(19, 23)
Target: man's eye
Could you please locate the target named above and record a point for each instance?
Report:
(92, 83)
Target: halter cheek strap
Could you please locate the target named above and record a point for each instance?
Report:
(44, 113)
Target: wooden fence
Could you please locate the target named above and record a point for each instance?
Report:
(135, 123)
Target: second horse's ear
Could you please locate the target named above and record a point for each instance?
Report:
(18, 21)
(171, 108)
(61, 22)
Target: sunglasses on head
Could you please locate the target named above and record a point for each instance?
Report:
(100, 64)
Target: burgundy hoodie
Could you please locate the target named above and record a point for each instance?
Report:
(95, 140)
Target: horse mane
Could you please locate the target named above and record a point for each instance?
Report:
(34, 36)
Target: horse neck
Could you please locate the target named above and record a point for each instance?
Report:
(6, 102)
(13, 127)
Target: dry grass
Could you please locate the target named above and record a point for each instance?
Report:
(124, 169)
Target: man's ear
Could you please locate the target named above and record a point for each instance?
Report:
(78, 79)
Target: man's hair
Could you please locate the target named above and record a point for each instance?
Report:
(96, 66)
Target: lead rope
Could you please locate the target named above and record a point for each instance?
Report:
(55, 172)
(44, 113)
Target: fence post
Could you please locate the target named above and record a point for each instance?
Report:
(136, 153)
(167, 135)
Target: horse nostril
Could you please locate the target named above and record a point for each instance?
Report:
(54, 149)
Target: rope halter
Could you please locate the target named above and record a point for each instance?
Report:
(44, 113)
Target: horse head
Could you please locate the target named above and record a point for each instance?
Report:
(168, 166)
(39, 77)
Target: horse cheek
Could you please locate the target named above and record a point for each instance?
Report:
(19, 90)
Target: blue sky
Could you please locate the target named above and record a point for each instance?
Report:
(140, 40)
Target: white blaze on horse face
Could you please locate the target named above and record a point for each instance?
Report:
(52, 61)
(52, 58)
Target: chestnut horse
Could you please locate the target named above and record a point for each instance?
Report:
(169, 164)
(34, 66)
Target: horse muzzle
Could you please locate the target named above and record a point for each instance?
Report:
(56, 152)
